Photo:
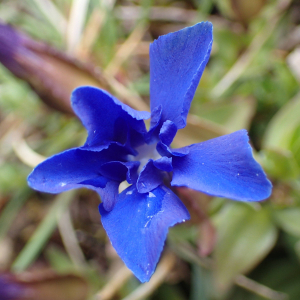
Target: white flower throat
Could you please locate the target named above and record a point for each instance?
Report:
(145, 152)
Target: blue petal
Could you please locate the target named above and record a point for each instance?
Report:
(155, 125)
(165, 150)
(150, 177)
(138, 225)
(166, 135)
(167, 132)
(10, 289)
(70, 168)
(118, 171)
(77, 168)
(177, 61)
(107, 189)
(164, 164)
(107, 119)
(223, 167)
(109, 194)
(67, 170)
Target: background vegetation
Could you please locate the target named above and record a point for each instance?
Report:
(229, 250)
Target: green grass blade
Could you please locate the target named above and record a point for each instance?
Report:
(42, 234)
(11, 210)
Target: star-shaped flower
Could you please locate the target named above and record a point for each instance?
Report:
(119, 148)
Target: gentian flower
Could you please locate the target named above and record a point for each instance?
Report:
(119, 148)
(45, 285)
(9, 289)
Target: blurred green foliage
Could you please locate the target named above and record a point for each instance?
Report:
(247, 84)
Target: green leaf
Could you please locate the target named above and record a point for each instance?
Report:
(245, 237)
(225, 8)
(234, 116)
(289, 220)
(280, 131)
(201, 283)
(282, 275)
(166, 291)
(12, 177)
(295, 145)
(59, 260)
(9, 213)
(279, 164)
(198, 130)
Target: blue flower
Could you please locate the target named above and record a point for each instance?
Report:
(119, 148)
(10, 289)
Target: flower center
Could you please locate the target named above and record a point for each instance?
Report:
(145, 152)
